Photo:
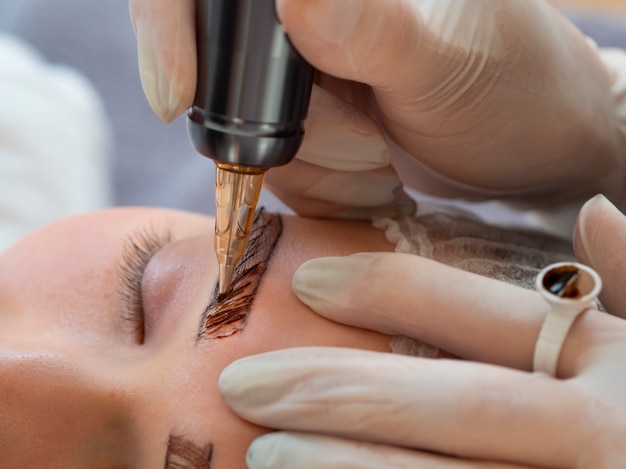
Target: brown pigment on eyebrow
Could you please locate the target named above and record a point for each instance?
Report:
(183, 454)
(227, 313)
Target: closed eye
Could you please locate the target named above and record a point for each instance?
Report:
(139, 248)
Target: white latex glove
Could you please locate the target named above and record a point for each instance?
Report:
(490, 98)
(489, 407)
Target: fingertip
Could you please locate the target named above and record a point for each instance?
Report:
(135, 8)
(264, 452)
(581, 230)
(590, 224)
(166, 52)
(600, 241)
(353, 290)
(323, 281)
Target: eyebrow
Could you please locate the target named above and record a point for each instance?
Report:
(184, 454)
(226, 314)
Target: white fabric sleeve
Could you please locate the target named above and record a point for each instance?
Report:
(54, 143)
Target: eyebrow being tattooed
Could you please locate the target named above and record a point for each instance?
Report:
(226, 314)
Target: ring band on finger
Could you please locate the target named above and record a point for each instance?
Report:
(569, 288)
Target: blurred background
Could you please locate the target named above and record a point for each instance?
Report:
(593, 4)
(152, 163)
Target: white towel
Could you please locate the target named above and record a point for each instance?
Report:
(54, 143)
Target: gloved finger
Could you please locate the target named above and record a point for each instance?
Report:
(600, 241)
(315, 191)
(340, 135)
(468, 315)
(467, 409)
(300, 450)
(363, 40)
(399, 207)
(445, 80)
(166, 48)
(343, 167)
(434, 303)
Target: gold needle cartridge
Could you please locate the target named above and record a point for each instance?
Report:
(237, 193)
(252, 96)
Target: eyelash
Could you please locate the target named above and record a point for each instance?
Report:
(138, 250)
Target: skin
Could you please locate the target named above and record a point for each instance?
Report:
(77, 390)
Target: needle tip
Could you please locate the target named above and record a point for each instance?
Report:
(226, 277)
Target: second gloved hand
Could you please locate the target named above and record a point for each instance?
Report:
(346, 408)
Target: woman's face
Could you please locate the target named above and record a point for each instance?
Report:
(87, 382)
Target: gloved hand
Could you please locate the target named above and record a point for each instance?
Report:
(378, 410)
(490, 99)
